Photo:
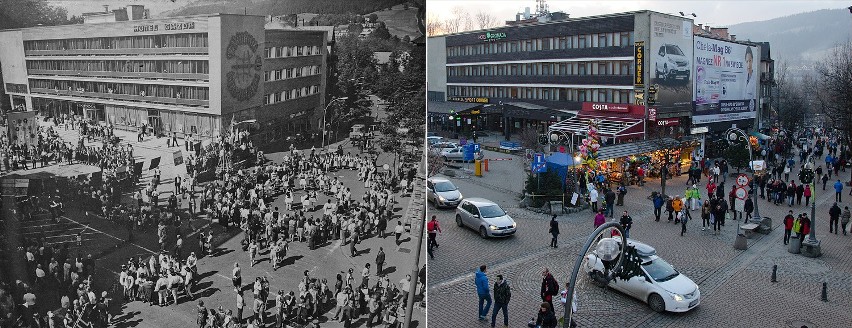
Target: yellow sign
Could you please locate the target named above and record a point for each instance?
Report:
(475, 112)
(482, 100)
(638, 64)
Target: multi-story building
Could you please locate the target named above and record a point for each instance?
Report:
(188, 75)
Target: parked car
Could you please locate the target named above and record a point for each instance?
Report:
(434, 139)
(671, 63)
(357, 132)
(661, 286)
(486, 217)
(442, 192)
(457, 154)
(440, 147)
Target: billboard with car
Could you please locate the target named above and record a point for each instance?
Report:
(726, 85)
(670, 52)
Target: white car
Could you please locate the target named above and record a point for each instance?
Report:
(670, 63)
(440, 147)
(486, 217)
(442, 192)
(661, 286)
(434, 139)
(457, 154)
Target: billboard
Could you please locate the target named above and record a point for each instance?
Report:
(726, 86)
(670, 52)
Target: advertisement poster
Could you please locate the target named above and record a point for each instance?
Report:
(670, 51)
(726, 84)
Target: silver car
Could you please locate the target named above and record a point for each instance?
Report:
(457, 154)
(486, 217)
(442, 193)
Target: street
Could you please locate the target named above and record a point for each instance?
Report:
(735, 285)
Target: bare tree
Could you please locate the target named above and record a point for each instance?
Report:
(467, 21)
(455, 23)
(434, 26)
(831, 89)
(791, 105)
(485, 20)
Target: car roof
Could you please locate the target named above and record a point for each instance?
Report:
(645, 251)
(438, 179)
(479, 201)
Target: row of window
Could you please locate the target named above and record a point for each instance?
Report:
(545, 69)
(290, 73)
(615, 39)
(538, 93)
(142, 41)
(165, 91)
(290, 94)
(133, 66)
(294, 51)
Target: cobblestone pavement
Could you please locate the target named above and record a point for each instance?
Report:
(735, 285)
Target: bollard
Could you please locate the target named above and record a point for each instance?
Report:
(824, 296)
(486, 165)
(774, 273)
(477, 168)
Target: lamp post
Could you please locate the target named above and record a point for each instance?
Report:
(734, 135)
(557, 136)
(324, 112)
(605, 251)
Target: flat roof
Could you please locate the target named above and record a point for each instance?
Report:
(149, 20)
(571, 19)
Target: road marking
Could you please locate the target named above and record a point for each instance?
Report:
(114, 237)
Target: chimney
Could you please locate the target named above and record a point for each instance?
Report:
(518, 17)
(527, 13)
(700, 27)
(707, 29)
(733, 37)
(106, 8)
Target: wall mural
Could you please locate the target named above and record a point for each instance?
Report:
(244, 78)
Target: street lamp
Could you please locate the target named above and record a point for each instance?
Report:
(324, 112)
(734, 135)
(606, 250)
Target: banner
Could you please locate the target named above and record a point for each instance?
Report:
(726, 84)
(178, 157)
(155, 162)
(670, 51)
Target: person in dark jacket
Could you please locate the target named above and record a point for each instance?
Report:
(546, 318)
(609, 196)
(658, 206)
(554, 231)
(834, 215)
(800, 191)
(502, 295)
(748, 207)
(626, 222)
(549, 287)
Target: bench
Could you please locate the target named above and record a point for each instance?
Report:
(749, 229)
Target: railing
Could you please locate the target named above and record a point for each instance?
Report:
(164, 100)
(121, 51)
(144, 75)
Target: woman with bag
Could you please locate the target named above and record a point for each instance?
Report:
(545, 318)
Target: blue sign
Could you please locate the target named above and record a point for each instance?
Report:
(476, 148)
(538, 164)
(468, 152)
(462, 141)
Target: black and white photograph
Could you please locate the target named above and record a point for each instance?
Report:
(176, 163)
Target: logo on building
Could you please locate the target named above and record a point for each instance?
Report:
(639, 64)
(244, 78)
(492, 36)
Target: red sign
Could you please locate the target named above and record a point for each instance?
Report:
(668, 122)
(605, 107)
(652, 114)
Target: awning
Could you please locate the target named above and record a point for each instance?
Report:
(529, 111)
(610, 127)
(759, 135)
(635, 148)
(444, 107)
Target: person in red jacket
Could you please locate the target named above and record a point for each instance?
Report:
(788, 226)
(433, 228)
(806, 227)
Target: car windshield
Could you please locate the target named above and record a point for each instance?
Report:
(660, 270)
(491, 211)
(445, 186)
(675, 50)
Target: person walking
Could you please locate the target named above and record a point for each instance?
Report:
(705, 215)
(593, 198)
(824, 180)
(622, 190)
(599, 219)
(834, 217)
(838, 191)
(546, 318)
(626, 222)
(807, 193)
(502, 295)
(844, 219)
(241, 303)
(684, 217)
(380, 261)
(789, 220)
(554, 231)
(483, 291)
(398, 231)
(748, 207)
(433, 227)
(549, 287)
(677, 207)
(800, 191)
(658, 205)
(609, 197)
(805, 227)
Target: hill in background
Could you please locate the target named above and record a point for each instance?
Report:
(802, 39)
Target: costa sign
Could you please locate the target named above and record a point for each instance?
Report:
(668, 122)
(605, 107)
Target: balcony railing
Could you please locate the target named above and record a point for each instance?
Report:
(115, 96)
(121, 51)
(134, 75)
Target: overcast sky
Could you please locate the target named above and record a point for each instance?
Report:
(713, 13)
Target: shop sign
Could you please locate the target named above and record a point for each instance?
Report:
(652, 114)
(492, 36)
(698, 130)
(604, 107)
(669, 122)
(475, 112)
(481, 100)
(166, 26)
(638, 64)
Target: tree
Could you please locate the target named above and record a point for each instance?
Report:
(381, 32)
(355, 66)
(737, 155)
(791, 104)
(457, 22)
(434, 25)
(831, 89)
(485, 20)
(372, 18)
(355, 29)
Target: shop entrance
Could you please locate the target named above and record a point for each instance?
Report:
(155, 123)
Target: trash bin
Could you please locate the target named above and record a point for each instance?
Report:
(795, 244)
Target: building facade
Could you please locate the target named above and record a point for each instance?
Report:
(196, 75)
